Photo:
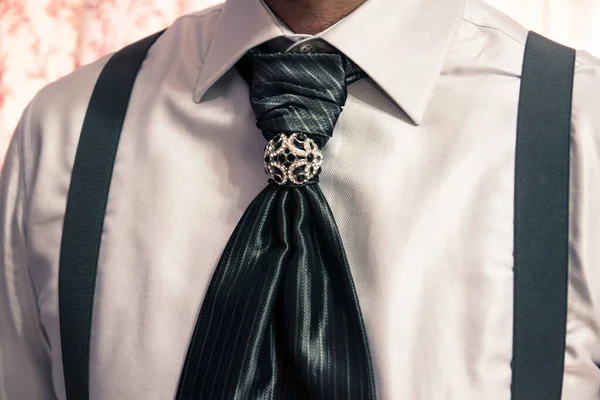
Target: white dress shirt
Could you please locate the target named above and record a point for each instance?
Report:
(419, 175)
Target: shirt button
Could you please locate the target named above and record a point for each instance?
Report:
(306, 48)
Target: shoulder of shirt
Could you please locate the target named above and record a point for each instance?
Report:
(495, 24)
(68, 96)
(51, 124)
(502, 38)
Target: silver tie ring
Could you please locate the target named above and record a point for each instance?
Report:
(295, 158)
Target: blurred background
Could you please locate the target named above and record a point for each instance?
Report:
(42, 40)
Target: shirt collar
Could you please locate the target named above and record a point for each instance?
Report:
(401, 44)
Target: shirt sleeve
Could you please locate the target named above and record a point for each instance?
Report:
(25, 367)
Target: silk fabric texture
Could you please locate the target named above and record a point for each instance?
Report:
(281, 318)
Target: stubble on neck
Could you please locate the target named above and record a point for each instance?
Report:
(312, 16)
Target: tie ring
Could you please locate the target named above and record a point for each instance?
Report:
(295, 158)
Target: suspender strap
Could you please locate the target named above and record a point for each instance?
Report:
(542, 220)
(86, 205)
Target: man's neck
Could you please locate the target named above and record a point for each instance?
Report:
(312, 16)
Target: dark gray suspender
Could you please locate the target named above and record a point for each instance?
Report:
(542, 220)
(86, 206)
(541, 216)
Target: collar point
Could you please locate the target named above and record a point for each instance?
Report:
(417, 120)
(413, 112)
(197, 96)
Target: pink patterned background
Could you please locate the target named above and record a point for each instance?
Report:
(42, 40)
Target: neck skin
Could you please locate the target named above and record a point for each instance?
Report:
(312, 16)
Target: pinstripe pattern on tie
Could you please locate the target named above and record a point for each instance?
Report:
(281, 318)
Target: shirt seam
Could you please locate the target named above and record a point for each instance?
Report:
(203, 13)
(504, 33)
(494, 28)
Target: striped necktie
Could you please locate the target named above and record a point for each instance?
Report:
(281, 318)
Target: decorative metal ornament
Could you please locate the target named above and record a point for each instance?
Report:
(295, 158)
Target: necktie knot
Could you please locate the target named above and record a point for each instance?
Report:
(298, 93)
